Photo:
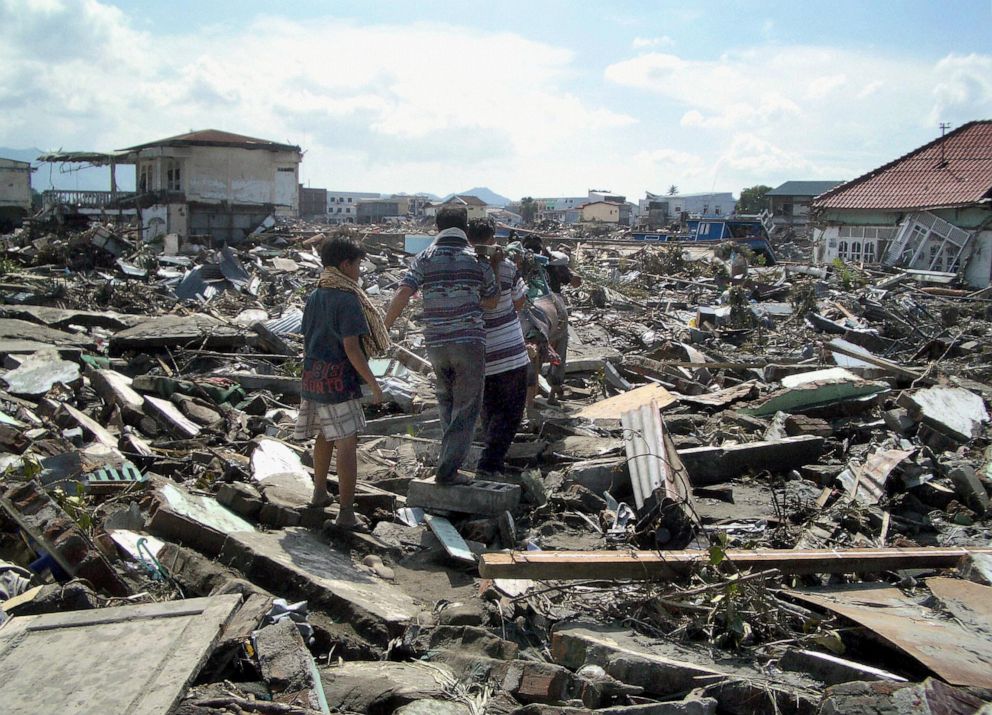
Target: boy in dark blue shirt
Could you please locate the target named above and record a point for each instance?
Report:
(340, 328)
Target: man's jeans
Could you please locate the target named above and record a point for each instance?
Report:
(502, 410)
(460, 370)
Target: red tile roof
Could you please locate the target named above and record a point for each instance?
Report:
(215, 137)
(954, 170)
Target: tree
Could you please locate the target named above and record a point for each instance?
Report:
(528, 209)
(752, 200)
(673, 190)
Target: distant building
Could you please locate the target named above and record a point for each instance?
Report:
(475, 206)
(658, 210)
(342, 206)
(313, 202)
(209, 184)
(15, 192)
(789, 204)
(382, 210)
(568, 209)
(929, 210)
(601, 212)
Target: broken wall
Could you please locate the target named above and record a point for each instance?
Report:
(229, 174)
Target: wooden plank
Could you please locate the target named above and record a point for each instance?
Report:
(613, 407)
(649, 565)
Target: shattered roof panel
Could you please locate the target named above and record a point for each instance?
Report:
(953, 170)
(215, 137)
(803, 188)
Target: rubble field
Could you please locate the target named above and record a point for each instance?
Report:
(764, 489)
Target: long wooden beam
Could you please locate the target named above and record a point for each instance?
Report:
(662, 565)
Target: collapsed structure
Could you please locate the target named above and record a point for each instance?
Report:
(764, 488)
(928, 211)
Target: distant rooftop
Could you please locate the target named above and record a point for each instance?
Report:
(215, 137)
(803, 188)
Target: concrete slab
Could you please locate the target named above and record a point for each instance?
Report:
(479, 497)
(953, 411)
(297, 560)
(169, 416)
(194, 520)
(41, 667)
(198, 330)
(39, 371)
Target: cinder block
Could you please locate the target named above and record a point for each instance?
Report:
(479, 497)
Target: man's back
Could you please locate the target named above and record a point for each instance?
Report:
(452, 281)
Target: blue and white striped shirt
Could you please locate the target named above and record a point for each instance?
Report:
(505, 349)
(452, 281)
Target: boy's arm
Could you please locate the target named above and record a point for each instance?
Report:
(398, 304)
(489, 297)
(353, 349)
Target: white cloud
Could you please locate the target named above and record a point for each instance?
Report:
(771, 112)
(640, 43)
(425, 106)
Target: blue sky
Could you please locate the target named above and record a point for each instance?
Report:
(539, 98)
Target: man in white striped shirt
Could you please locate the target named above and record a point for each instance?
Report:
(505, 390)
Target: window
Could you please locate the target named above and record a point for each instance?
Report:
(349, 199)
(870, 251)
(842, 250)
(856, 251)
(145, 177)
(717, 210)
(173, 180)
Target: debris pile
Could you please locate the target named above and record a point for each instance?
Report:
(761, 489)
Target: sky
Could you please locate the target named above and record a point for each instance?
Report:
(539, 98)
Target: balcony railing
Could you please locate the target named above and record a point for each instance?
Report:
(85, 199)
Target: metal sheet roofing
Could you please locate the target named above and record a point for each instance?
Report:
(954, 170)
(803, 188)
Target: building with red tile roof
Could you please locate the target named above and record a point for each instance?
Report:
(928, 210)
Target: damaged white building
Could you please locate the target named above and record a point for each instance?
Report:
(204, 184)
(929, 211)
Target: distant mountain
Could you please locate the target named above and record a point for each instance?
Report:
(486, 194)
(69, 177)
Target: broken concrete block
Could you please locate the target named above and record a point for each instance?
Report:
(173, 331)
(296, 564)
(622, 657)
(41, 666)
(241, 498)
(115, 390)
(479, 497)
(931, 697)
(39, 372)
(970, 488)
(713, 465)
(283, 658)
(169, 416)
(194, 520)
(373, 686)
(898, 420)
(953, 411)
(44, 521)
(831, 669)
(433, 707)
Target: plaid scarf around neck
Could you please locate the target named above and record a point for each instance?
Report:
(377, 341)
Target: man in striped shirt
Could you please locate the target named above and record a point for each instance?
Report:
(456, 287)
(506, 357)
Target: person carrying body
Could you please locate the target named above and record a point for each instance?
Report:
(456, 286)
(341, 328)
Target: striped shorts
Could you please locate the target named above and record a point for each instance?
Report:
(333, 420)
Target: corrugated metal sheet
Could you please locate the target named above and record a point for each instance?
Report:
(954, 170)
(290, 323)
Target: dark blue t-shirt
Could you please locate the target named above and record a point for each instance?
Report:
(329, 317)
